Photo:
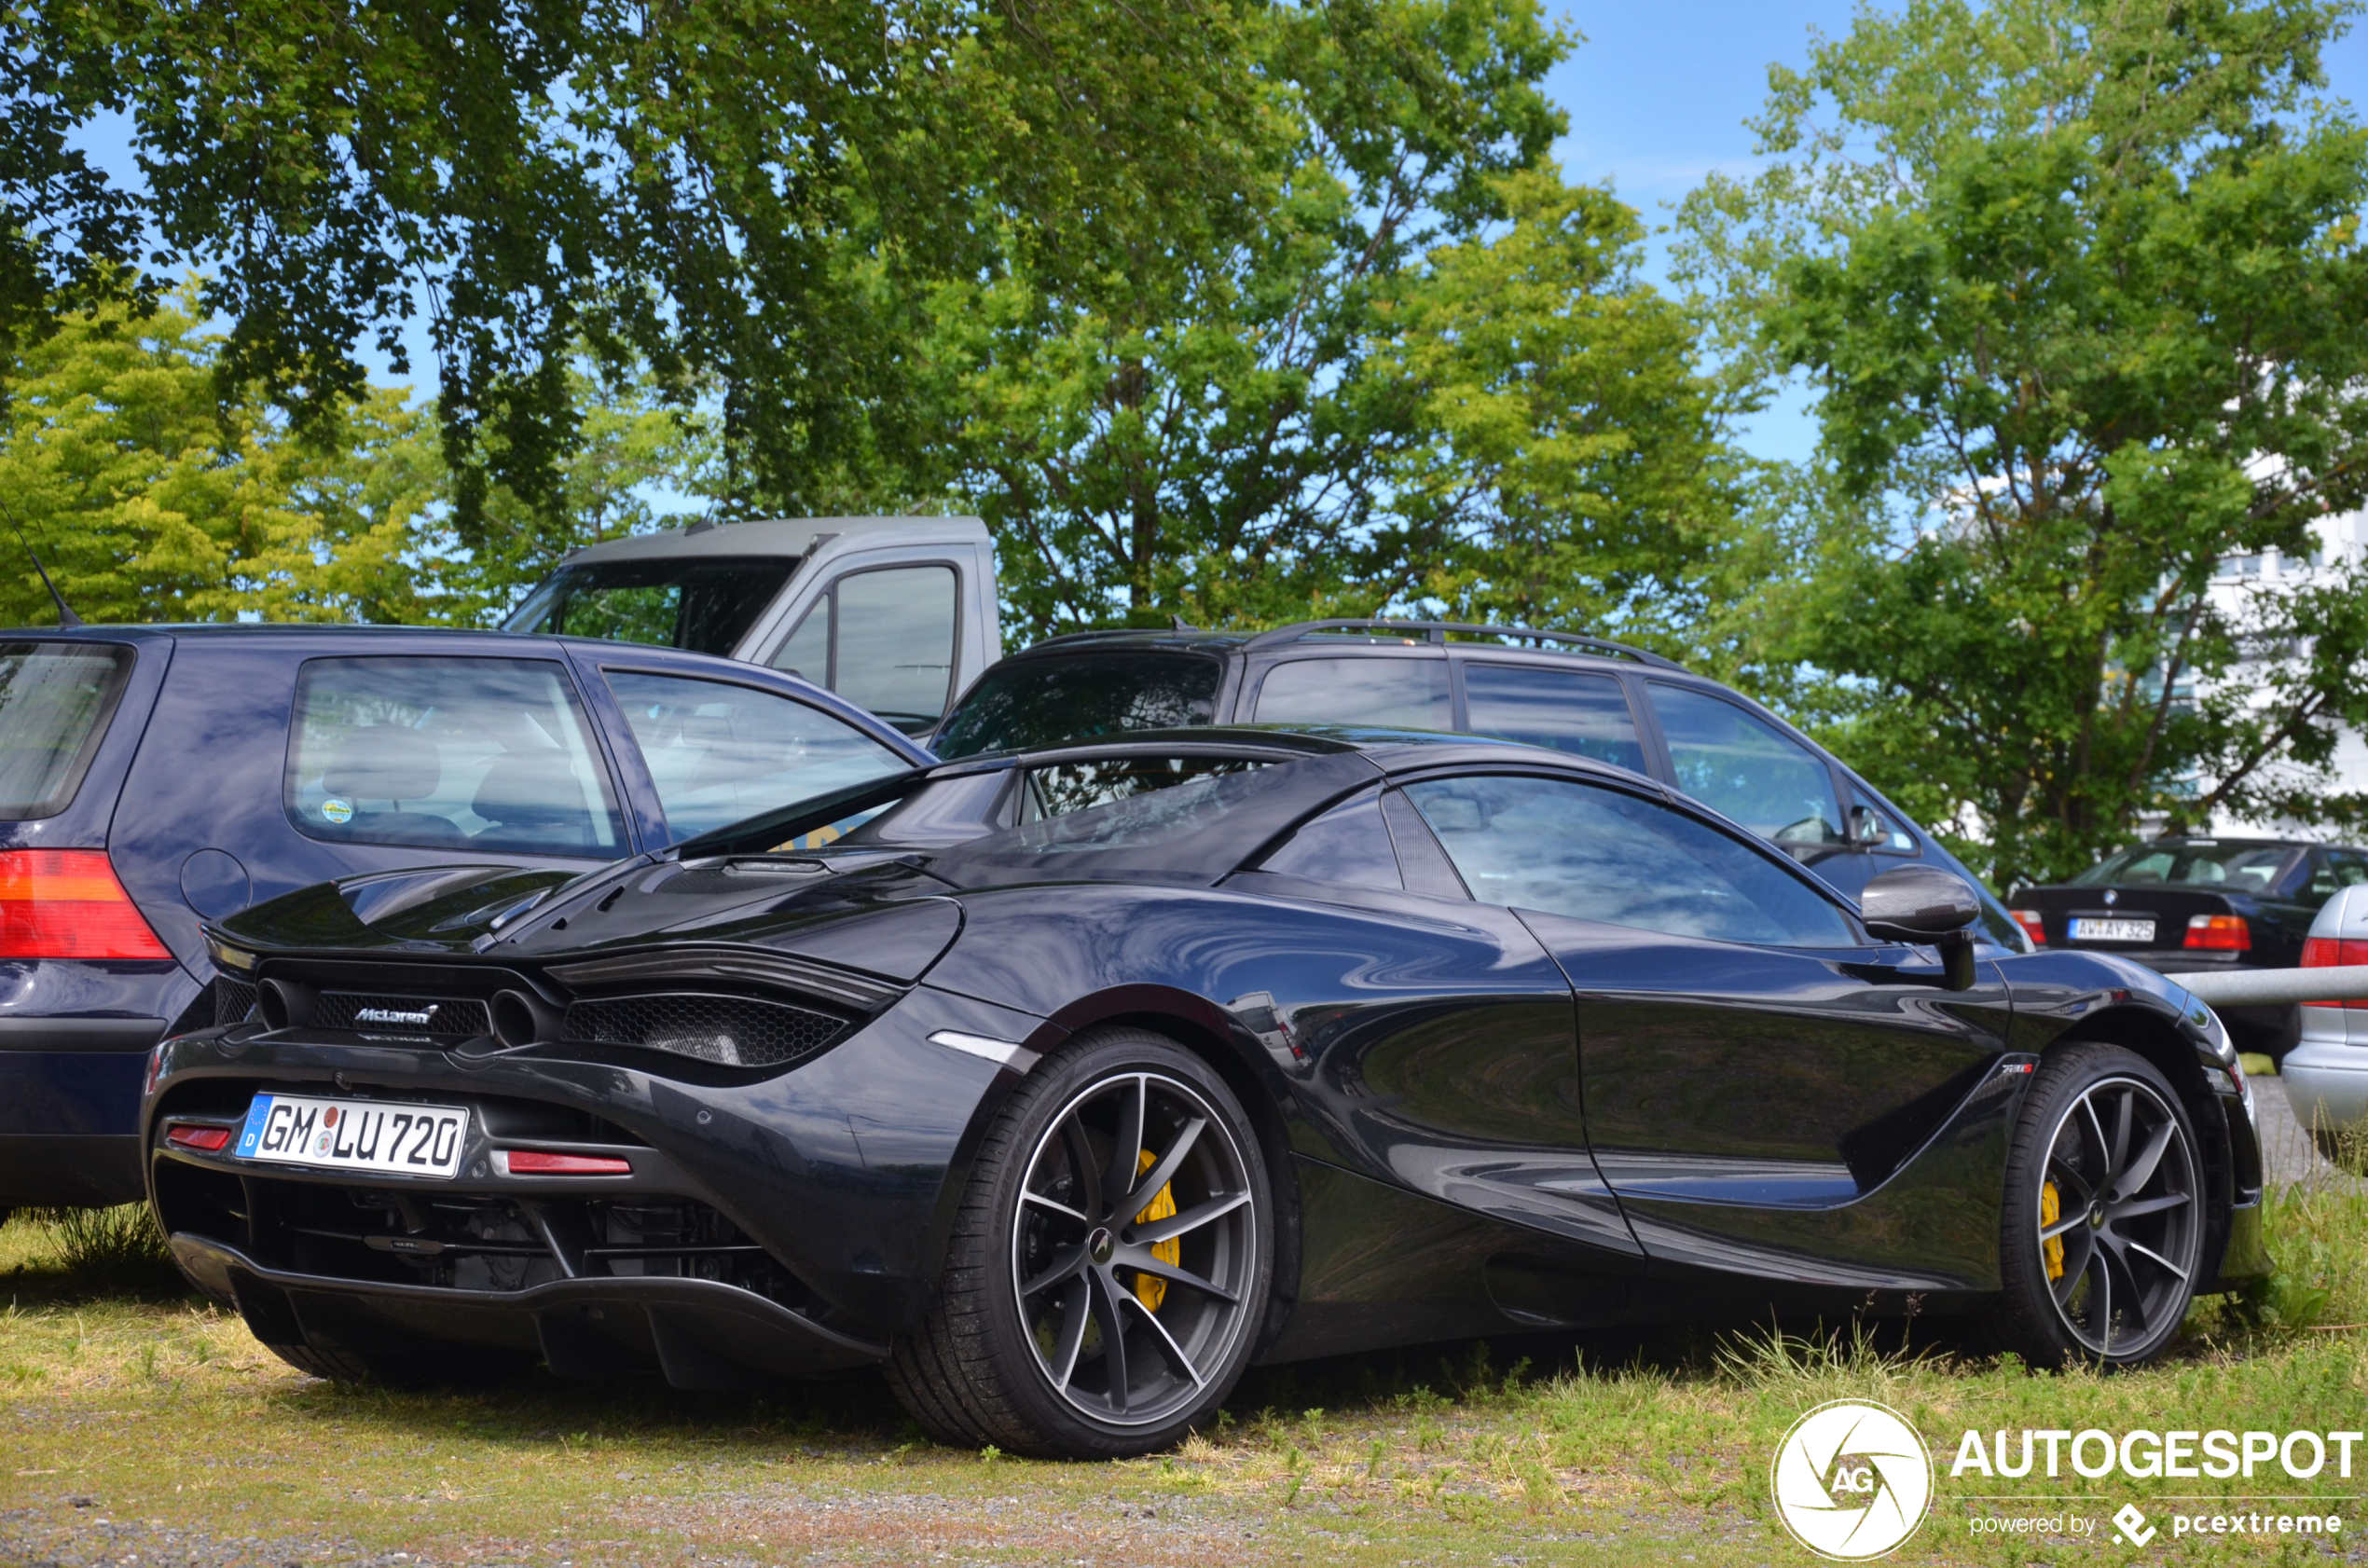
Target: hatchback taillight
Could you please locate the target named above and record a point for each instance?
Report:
(2327, 952)
(2222, 933)
(66, 903)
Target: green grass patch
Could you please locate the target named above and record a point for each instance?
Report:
(131, 1423)
(2256, 1064)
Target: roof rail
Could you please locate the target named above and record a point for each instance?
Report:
(1439, 632)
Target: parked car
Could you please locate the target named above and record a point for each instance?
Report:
(2190, 902)
(152, 777)
(1582, 695)
(2326, 1073)
(1066, 1084)
(896, 614)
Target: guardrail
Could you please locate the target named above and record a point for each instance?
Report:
(2340, 983)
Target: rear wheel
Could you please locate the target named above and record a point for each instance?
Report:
(2103, 1226)
(1109, 1266)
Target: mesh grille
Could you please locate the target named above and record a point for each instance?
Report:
(233, 1000)
(451, 1015)
(732, 1030)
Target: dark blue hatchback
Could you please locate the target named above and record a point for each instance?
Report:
(154, 777)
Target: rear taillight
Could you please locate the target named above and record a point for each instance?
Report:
(205, 1140)
(2034, 925)
(66, 903)
(2327, 952)
(535, 1161)
(2222, 933)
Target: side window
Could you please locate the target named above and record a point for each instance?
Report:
(1746, 769)
(1397, 693)
(1566, 709)
(882, 638)
(720, 753)
(1874, 826)
(1350, 845)
(56, 701)
(1597, 854)
(448, 754)
(2332, 872)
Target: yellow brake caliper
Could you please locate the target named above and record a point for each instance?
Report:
(1149, 1291)
(2051, 1209)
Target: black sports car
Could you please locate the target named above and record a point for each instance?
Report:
(1064, 1085)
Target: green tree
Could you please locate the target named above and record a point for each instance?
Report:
(1571, 459)
(743, 197)
(2077, 284)
(148, 500)
(1191, 426)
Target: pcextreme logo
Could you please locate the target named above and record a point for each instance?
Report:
(1852, 1481)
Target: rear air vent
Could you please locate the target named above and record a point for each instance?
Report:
(734, 1031)
(233, 1000)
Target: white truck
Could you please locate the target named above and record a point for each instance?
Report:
(894, 613)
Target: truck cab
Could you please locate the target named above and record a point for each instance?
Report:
(896, 614)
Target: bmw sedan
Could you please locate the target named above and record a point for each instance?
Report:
(1065, 1085)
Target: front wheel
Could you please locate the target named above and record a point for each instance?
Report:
(1109, 1265)
(2103, 1227)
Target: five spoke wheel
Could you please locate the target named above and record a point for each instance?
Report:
(2120, 1217)
(1135, 1244)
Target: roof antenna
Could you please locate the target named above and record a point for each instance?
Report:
(1179, 621)
(66, 617)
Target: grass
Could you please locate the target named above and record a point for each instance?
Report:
(151, 1427)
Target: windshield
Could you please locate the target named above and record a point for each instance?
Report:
(2245, 868)
(1023, 705)
(706, 603)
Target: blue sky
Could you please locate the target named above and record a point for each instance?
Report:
(1658, 93)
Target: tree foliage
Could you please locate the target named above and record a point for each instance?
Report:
(2078, 286)
(1411, 366)
(148, 500)
(736, 196)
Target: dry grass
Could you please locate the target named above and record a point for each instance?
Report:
(156, 1429)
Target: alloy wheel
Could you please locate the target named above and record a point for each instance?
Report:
(1136, 1248)
(2121, 1217)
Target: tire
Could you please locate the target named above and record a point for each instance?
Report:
(1046, 1256)
(2104, 1131)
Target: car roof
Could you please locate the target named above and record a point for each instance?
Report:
(1378, 632)
(771, 536)
(1392, 751)
(2244, 841)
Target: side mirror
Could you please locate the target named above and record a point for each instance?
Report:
(1926, 904)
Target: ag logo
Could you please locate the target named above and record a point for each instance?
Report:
(1852, 1481)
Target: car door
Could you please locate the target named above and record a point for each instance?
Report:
(886, 637)
(1431, 1038)
(1751, 1063)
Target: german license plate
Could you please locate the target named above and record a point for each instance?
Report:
(392, 1139)
(2112, 930)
